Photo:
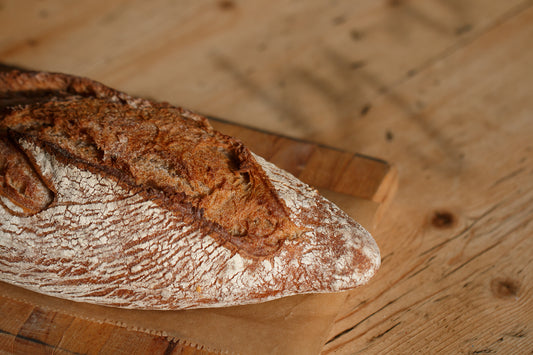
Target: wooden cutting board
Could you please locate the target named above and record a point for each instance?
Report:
(34, 324)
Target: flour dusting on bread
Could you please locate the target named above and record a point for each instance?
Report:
(143, 205)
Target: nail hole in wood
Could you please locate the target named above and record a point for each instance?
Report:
(366, 108)
(226, 5)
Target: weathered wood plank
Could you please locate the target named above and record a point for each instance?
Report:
(458, 277)
(304, 69)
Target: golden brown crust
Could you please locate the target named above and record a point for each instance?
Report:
(167, 153)
(19, 182)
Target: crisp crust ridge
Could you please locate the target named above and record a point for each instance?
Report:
(167, 153)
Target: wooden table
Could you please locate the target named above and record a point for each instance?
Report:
(443, 89)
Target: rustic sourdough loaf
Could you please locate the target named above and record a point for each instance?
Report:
(120, 201)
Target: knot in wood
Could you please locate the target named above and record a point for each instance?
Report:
(443, 219)
(504, 288)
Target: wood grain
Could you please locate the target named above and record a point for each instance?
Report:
(440, 88)
(442, 284)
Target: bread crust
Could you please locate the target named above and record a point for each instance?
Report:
(132, 203)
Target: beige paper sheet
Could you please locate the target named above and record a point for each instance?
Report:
(291, 325)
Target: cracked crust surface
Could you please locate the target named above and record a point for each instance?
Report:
(143, 205)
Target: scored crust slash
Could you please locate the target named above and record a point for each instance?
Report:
(120, 201)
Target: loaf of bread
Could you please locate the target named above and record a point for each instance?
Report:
(120, 201)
